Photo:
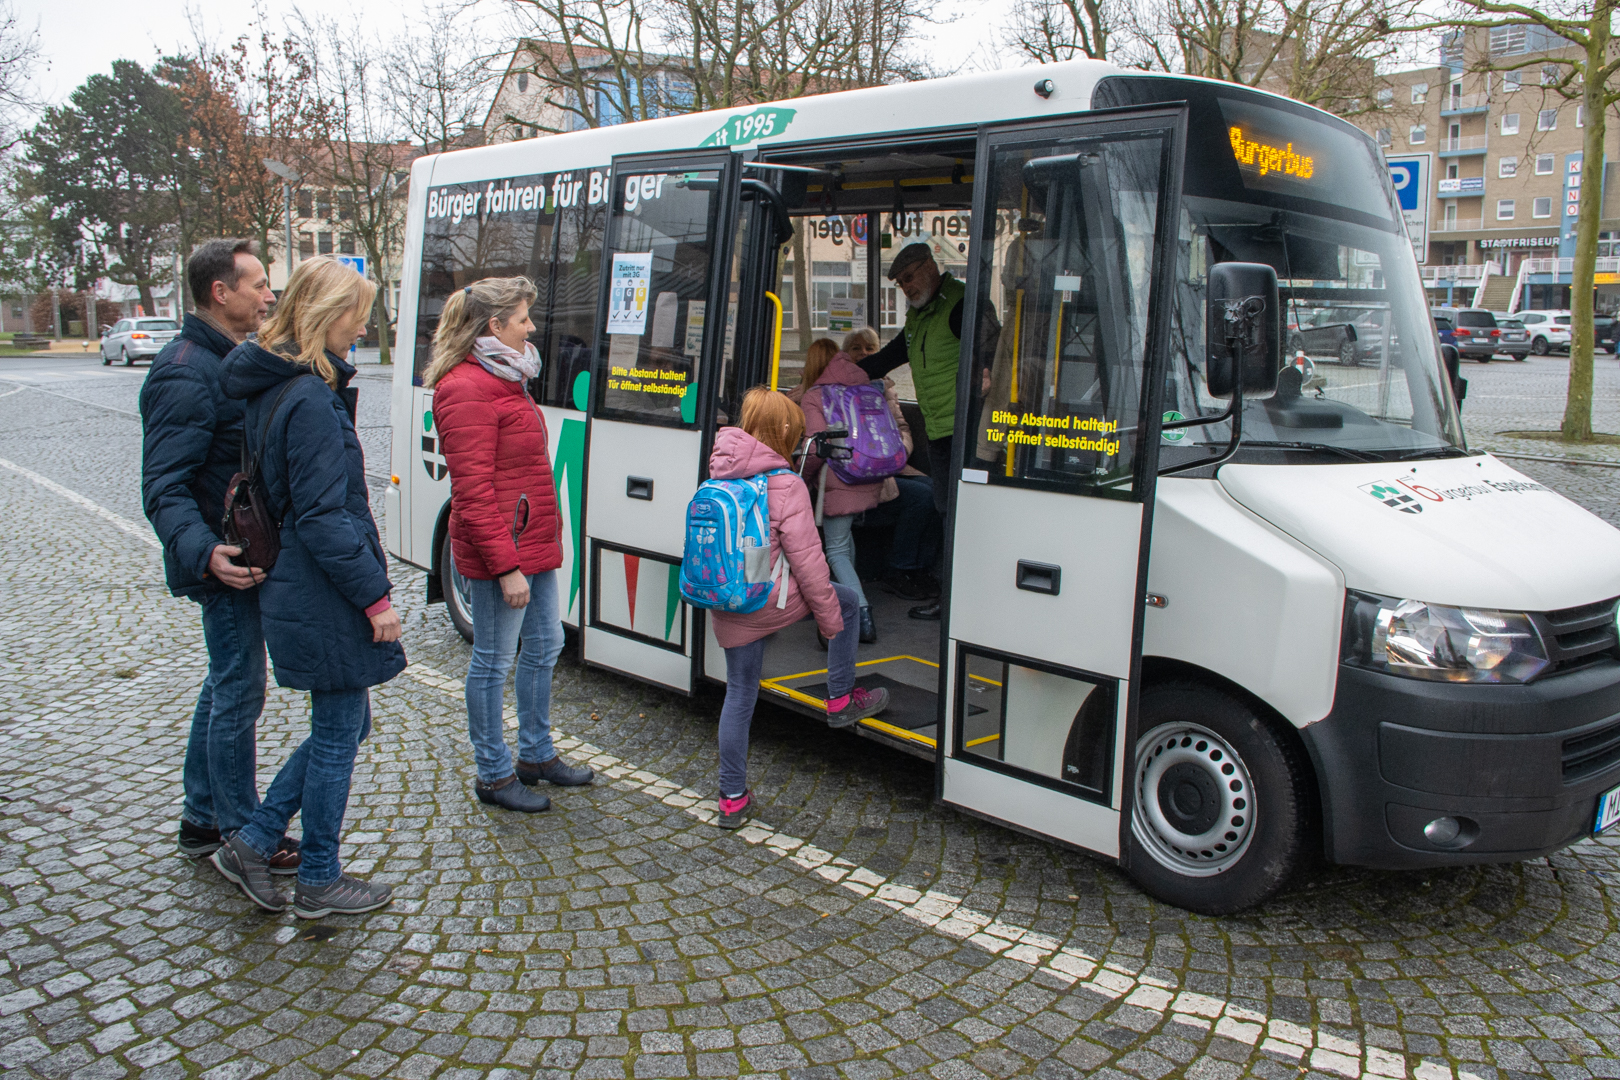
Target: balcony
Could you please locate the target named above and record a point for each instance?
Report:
(1457, 225)
(1567, 266)
(1466, 272)
(1463, 145)
(1464, 104)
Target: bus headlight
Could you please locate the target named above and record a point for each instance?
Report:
(1440, 643)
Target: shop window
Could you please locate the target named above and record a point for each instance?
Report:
(1504, 209)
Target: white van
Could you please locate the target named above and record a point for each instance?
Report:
(1195, 620)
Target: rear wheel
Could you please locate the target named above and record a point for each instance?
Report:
(1221, 818)
(1519, 356)
(106, 361)
(1347, 353)
(1540, 347)
(457, 593)
(128, 360)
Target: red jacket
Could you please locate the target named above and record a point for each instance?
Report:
(793, 530)
(494, 440)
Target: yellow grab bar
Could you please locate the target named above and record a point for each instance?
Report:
(776, 338)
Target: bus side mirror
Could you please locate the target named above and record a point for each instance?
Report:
(1241, 318)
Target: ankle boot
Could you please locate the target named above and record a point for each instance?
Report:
(868, 627)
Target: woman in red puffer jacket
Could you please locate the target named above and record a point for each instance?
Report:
(505, 531)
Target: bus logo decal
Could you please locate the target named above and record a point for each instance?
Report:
(1393, 497)
(432, 459)
(748, 127)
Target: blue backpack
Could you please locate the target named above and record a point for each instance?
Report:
(727, 562)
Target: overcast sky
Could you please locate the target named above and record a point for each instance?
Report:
(81, 37)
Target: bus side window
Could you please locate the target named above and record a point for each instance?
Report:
(575, 282)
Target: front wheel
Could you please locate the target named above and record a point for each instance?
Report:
(1540, 346)
(1221, 818)
(1519, 356)
(457, 593)
(106, 361)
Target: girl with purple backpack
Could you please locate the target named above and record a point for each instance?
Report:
(772, 427)
(843, 501)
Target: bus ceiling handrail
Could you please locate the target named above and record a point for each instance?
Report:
(776, 338)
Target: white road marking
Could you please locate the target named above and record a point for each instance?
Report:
(140, 532)
(1043, 953)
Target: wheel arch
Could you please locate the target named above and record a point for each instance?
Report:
(1165, 670)
(435, 579)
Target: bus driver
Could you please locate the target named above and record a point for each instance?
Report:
(931, 342)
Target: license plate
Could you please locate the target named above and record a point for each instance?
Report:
(1608, 812)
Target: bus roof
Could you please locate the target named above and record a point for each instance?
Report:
(956, 101)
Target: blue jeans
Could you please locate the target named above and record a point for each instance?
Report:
(743, 666)
(219, 775)
(496, 631)
(840, 543)
(916, 524)
(315, 784)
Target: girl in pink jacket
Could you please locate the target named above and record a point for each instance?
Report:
(772, 426)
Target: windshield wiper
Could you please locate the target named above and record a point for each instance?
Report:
(1435, 452)
(1342, 451)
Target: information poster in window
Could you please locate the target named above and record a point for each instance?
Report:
(844, 314)
(694, 327)
(627, 301)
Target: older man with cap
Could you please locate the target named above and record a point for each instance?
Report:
(931, 342)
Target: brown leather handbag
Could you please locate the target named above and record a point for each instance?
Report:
(249, 523)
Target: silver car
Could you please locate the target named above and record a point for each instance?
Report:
(135, 339)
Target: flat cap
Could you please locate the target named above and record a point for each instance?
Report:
(908, 255)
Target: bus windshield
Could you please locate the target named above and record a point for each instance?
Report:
(1271, 182)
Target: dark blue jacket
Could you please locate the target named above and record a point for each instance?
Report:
(191, 444)
(331, 566)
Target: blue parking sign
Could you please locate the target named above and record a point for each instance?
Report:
(1410, 178)
(356, 262)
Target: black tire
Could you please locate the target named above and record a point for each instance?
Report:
(1486, 358)
(129, 360)
(106, 361)
(456, 599)
(1216, 741)
(1347, 353)
(1540, 347)
(1519, 356)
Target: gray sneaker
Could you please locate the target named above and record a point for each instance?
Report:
(345, 896)
(248, 871)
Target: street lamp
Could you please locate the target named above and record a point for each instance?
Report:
(289, 177)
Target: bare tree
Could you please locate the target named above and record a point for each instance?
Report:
(591, 59)
(1322, 52)
(1050, 31)
(19, 56)
(359, 152)
(436, 81)
(1585, 70)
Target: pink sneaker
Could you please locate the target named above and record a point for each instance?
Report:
(733, 812)
(857, 706)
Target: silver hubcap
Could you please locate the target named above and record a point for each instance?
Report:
(1194, 800)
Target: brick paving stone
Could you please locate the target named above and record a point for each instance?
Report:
(620, 936)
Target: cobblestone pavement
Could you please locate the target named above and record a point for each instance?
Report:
(859, 932)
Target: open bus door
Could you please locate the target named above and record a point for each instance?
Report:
(663, 325)
(1056, 440)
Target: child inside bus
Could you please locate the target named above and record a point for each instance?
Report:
(772, 427)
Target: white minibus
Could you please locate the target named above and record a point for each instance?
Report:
(1200, 615)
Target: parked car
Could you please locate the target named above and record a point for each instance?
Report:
(137, 339)
(1604, 328)
(1515, 339)
(1348, 335)
(1549, 330)
(1443, 327)
(1474, 331)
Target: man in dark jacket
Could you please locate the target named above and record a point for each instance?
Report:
(191, 445)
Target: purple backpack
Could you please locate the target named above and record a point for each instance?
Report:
(876, 449)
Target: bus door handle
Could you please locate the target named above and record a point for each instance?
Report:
(639, 487)
(1039, 577)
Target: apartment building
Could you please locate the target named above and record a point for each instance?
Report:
(1500, 157)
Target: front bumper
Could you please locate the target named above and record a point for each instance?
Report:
(1519, 767)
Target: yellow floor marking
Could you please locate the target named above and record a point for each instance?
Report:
(980, 742)
(900, 733)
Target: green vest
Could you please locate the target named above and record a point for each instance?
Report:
(935, 354)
